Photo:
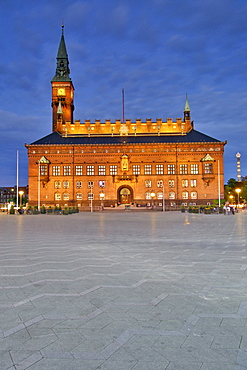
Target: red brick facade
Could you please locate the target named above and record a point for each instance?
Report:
(121, 162)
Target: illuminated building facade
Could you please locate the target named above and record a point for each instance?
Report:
(121, 162)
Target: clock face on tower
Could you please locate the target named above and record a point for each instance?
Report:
(61, 91)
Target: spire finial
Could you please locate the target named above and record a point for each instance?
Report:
(187, 106)
(62, 26)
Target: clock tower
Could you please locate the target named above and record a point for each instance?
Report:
(62, 91)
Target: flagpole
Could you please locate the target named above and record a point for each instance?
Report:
(122, 105)
(17, 177)
(219, 181)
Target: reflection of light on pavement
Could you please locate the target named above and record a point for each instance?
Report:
(186, 220)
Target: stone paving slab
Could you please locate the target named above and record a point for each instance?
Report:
(131, 291)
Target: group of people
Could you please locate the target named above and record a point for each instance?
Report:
(229, 210)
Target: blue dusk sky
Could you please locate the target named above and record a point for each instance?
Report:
(157, 50)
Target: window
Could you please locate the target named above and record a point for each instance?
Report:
(66, 196)
(185, 183)
(208, 168)
(113, 170)
(183, 168)
(194, 170)
(101, 184)
(185, 195)
(171, 195)
(90, 196)
(78, 184)
(193, 195)
(90, 170)
(171, 169)
(101, 170)
(78, 170)
(193, 183)
(160, 195)
(66, 170)
(66, 184)
(56, 170)
(79, 196)
(43, 169)
(90, 184)
(171, 183)
(160, 184)
(148, 169)
(57, 196)
(57, 184)
(136, 169)
(148, 195)
(159, 169)
(148, 183)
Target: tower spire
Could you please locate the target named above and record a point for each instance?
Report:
(186, 110)
(62, 91)
(62, 70)
(187, 106)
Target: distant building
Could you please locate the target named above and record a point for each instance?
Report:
(121, 162)
(8, 194)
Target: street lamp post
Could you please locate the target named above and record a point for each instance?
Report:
(39, 185)
(21, 192)
(102, 197)
(238, 191)
(163, 198)
(152, 194)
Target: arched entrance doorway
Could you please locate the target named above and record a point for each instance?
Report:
(125, 195)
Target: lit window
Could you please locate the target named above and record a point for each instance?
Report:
(90, 170)
(148, 169)
(78, 170)
(57, 184)
(185, 195)
(66, 196)
(66, 184)
(43, 170)
(160, 184)
(79, 196)
(56, 170)
(171, 195)
(193, 183)
(78, 185)
(193, 195)
(57, 196)
(101, 170)
(136, 169)
(208, 168)
(66, 170)
(159, 169)
(101, 184)
(113, 170)
(183, 168)
(194, 169)
(148, 183)
(171, 169)
(160, 195)
(148, 195)
(90, 184)
(185, 183)
(90, 196)
(171, 183)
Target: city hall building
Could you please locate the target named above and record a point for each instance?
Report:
(152, 162)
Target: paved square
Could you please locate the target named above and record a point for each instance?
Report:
(121, 291)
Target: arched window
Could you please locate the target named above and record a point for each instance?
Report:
(57, 196)
(185, 195)
(193, 195)
(171, 195)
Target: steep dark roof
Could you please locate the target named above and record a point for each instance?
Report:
(192, 137)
